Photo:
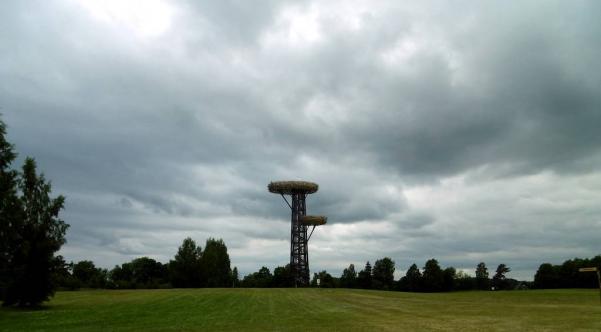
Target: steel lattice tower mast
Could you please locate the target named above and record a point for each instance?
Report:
(300, 222)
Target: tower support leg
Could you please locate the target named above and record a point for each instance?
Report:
(299, 253)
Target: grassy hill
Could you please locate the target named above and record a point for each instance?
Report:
(309, 309)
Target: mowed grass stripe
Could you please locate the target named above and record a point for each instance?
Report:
(309, 310)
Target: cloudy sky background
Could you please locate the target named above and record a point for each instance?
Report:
(465, 131)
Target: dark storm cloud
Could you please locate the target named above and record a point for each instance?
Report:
(232, 22)
(179, 131)
(520, 104)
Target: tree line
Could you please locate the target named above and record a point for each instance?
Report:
(567, 275)
(380, 276)
(191, 267)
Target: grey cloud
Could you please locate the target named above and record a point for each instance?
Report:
(232, 22)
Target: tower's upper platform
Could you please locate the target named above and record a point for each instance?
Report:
(292, 187)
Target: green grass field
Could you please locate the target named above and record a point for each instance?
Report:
(309, 309)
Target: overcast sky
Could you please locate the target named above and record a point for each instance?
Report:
(465, 131)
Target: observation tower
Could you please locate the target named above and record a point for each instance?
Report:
(300, 222)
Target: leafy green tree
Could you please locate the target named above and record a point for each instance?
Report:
(499, 281)
(464, 281)
(412, 280)
(448, 276)
(264, 277)
(88, 275)
(567, 275)
(148, 273)
(121, 277)
(84, 271)
(432, 277)
(325, 280)
(140, 273)
(63, 275)
(10, 212)
(235, 277)
(215, 264)
(261, 279)
(348, 279)
(547, 276)
(364, 279)
(482, 281)
(282, 277)
(36, 233)
(383, 274)
(185, 269)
